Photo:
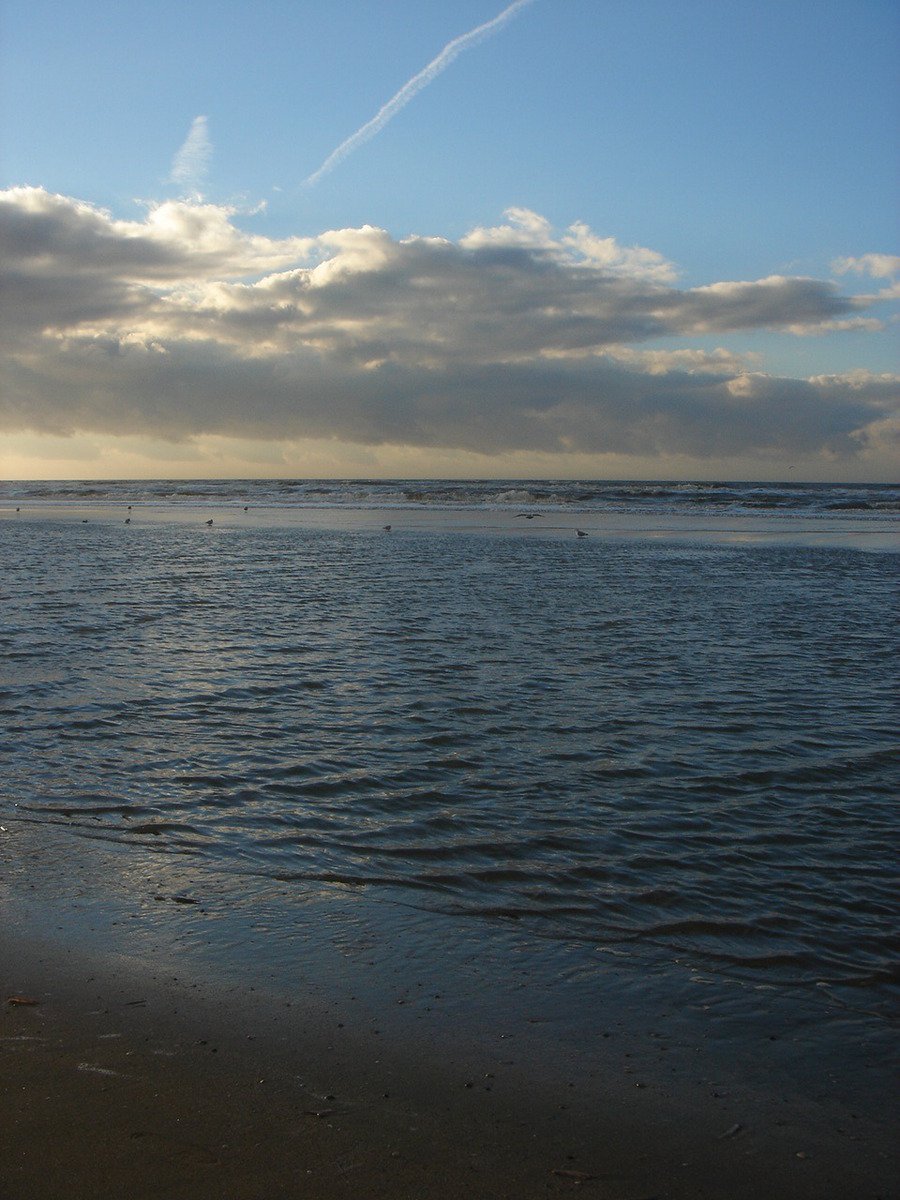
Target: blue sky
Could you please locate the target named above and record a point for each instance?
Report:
(737, 142)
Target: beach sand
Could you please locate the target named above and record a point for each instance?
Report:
(119, 1086)
(142, 1072)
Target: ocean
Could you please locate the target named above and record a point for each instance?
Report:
(545, 496)
(664, 751)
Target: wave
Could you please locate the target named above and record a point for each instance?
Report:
(576, 496)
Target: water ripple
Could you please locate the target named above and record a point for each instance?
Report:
(629, 743)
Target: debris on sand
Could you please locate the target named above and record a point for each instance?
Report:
(573, 1176)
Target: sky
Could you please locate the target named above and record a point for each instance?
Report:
(375, 238)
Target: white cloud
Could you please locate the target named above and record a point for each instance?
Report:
(862, 324)
(191, 162)
(879, 266)
(874, 266)
(579, 246)
(513, 339)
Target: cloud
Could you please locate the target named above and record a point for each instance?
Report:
(412, 87)
(513, 339)
(875, 266)
(177, 240)
(879, 266)
(191, 162)
(67, 263)
(528, 230)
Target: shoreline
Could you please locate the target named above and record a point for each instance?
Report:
(225, 1081)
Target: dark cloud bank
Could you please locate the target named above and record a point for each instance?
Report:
(511, 339)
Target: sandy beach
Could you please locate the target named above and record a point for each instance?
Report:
(115, 1085)
(133, 1065)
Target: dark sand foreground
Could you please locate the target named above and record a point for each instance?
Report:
(126, 1081)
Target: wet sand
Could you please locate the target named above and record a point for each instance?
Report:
(145, 1071)
(142, 1088)
(116, 1086)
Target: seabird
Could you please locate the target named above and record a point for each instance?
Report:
(529, 516)
(386, 528)
(246, 508)
(580, 533)
(209, 522)
(128, 520)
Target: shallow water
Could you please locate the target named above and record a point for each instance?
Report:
(673, 748)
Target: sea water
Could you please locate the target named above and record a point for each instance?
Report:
(672, 741)
(544, 496)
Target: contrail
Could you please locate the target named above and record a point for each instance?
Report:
(451, 51)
